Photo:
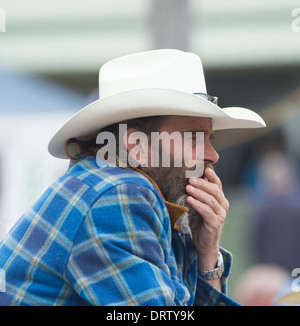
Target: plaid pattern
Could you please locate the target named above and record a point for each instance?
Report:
(102, 236)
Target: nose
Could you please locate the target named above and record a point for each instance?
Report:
(210, 154)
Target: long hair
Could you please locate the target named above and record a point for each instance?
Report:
(75, 149)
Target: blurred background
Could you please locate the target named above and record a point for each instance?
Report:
(50, 55)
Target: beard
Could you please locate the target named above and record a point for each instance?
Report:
(172, 182)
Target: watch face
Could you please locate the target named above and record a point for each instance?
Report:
(220, 260)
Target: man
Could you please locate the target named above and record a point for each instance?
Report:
(122, 227)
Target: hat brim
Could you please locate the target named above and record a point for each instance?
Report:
(148, 102)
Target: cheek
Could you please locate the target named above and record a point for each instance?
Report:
(170, 148)
(197, 153)
(193, 154)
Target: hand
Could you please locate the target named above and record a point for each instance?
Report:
(207, 198)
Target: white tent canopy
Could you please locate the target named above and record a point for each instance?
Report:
(73, 36)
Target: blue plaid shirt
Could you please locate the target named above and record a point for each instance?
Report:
(103, 236)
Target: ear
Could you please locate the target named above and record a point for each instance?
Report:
(136, 143)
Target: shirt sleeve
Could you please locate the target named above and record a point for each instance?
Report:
(122, 254)
(207, 295)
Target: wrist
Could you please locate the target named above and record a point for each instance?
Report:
(207, 260)
(214, 273)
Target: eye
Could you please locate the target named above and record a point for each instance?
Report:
(194, 140)
(212, 138)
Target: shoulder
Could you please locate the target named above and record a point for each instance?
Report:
(103, 178)
(126, 201)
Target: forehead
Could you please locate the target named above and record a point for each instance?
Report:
(184, 123)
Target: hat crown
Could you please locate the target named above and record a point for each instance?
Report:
(159, 69)
(159, 82)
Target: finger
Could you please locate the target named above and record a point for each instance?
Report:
(212, 177)
(209, 218)
(205, 198)
(204, 210)
(212, 189)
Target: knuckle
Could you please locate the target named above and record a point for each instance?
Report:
(223, 217)
(217, 190)
(212, 201)
(208, 210)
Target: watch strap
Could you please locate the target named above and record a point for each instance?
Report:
(214, 273)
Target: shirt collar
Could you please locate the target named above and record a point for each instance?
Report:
(175, 211)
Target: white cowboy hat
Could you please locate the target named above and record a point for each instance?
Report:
(159, 82)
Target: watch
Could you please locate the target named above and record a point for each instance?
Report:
(214, 273)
